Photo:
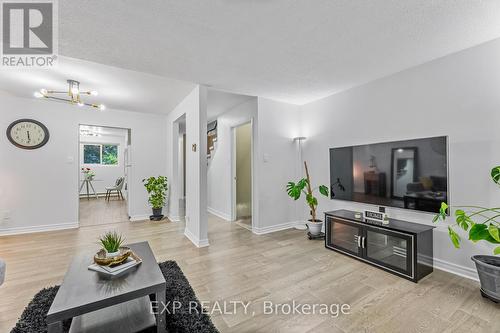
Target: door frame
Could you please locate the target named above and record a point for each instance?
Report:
(233, 168)
(126, 165)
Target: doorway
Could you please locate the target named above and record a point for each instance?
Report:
(103, 174)
(242, 175)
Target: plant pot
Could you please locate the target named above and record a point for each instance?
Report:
(488, 269)
(314, 226)
(112, 254)
(157, 211)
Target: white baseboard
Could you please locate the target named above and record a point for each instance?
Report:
(449, 267)
(135, 218)
(194, 239)
(174, 218)
(220, 214)
(38, 228)
(274, 228)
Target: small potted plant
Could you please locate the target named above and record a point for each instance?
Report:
(481, 224)
(88, 174)
(157, 188)
(303, 186)
(111, 242)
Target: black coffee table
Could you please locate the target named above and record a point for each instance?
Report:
(100, 304)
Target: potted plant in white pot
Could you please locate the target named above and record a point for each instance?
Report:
(303, 186)
(111, 242)
(157, 188)
(481, 224)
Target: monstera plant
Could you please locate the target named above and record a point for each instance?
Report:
(481, 223)
(303, 186)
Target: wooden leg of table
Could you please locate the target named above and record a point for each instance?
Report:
(160, 317)
(55, 327)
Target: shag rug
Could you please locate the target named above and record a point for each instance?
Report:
(178, 289)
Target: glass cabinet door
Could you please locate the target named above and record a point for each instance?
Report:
(344, 236)
(390, 249)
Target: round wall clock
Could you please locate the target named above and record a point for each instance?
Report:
(27, 134)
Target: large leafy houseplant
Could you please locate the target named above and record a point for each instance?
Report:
(303, 186)
(481, 223)
(157, 189)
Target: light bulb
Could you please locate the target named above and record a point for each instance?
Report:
(102, 107)
(38, 94)
(94, 93)
(80, 104)
(75, 90)
(43, 91)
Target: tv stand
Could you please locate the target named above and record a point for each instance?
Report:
(401, 248)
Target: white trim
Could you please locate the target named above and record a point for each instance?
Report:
(197, 242)
(38, 228)
(174, 218)
(220, 214)
(459, 270)
(136, 218)
(273, 228)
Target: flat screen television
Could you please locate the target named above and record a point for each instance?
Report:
(411, 174)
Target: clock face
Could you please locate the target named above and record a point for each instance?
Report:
(28, 134)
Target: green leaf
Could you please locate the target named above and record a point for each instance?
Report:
(496, 250)
(293, 190)
(323, 190)
(311, 200)
(455, 238)
(493, 230)
(480, 232)
(495, 174)
(442, 211)
(436, 218)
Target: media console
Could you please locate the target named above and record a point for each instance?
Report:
(400, 247)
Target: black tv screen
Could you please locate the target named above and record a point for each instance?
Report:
(411, 174)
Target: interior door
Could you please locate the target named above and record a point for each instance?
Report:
(392, 250)
(344, 236)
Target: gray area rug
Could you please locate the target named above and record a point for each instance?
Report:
(178, 289)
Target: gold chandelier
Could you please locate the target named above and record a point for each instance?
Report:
(74, 93)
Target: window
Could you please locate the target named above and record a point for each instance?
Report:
(100, 154)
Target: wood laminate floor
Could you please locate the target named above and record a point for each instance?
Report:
(280, 267)
(101, 211)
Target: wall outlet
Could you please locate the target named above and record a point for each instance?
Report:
(6, 215)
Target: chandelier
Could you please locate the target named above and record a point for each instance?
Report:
(74, 95)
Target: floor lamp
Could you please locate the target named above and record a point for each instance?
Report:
(299, 141)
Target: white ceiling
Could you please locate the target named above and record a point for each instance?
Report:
(295, 51)
(118, 89)
(219, 102)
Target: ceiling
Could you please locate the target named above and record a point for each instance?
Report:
(294, 51)
(219, 102)
(118, 89)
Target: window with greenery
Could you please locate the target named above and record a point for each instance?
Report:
(100, 154)
(109, 154)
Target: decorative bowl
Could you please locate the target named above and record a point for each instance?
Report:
(100, 257)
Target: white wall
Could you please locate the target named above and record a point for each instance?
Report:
(195, 109)
(219, 181)
(105, 175)
(278, 124)
(457, 95)
(39, 188)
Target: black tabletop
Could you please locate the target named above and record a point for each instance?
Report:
(394, 224)
(84, 290)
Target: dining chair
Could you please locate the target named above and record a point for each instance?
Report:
(118, 188)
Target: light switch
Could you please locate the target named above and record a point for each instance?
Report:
(266, 158)
(70, 159)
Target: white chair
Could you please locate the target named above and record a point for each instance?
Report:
(118, 188)
(2, 271)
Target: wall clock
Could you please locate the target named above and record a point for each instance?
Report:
(27, 134)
